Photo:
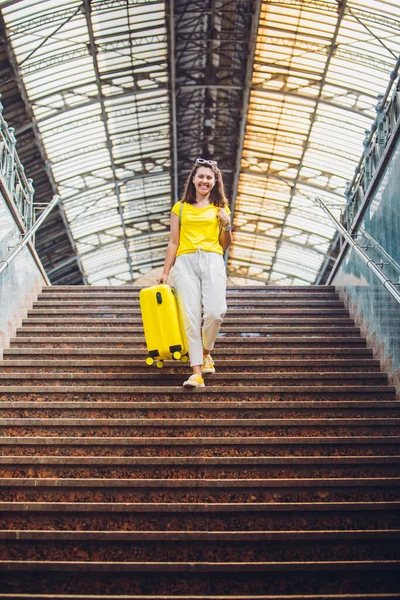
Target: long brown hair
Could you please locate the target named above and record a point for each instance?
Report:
(217, 194)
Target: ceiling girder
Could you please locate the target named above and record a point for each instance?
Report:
(212, 47)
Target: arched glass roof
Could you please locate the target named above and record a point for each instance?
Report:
(318, 68)
(98, 76)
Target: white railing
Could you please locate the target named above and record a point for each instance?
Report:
(19, 190)
(375, 143)
(18, 186)
(5, 262)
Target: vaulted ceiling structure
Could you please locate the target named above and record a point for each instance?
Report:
(113, 100)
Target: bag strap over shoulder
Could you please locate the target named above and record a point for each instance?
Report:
(180, 214)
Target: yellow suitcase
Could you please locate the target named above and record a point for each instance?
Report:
(162, 324)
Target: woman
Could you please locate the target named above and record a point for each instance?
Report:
(200, 232)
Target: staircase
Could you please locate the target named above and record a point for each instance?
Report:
(279, 480)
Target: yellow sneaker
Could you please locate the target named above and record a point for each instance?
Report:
(194, 381)
(208, 364)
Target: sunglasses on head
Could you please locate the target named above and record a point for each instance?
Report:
(203, 161)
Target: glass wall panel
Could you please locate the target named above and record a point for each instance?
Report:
(20, 283)
(377, 311)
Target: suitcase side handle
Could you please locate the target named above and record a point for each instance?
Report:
(159, 298)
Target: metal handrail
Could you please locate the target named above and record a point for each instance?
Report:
(5, 262)
(372, 266)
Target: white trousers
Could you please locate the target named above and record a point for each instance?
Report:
(200, 281)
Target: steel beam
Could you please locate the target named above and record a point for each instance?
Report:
(174, 123)
(244, 109)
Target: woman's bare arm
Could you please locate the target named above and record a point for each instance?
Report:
(225, 237)
(171, 248)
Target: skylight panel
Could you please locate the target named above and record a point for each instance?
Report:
(300, 68)
(95, 146)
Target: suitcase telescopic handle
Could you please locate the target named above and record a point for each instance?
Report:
(159, 298)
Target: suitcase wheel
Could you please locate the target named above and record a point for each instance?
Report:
(149, 361)
(176, 355)
(184, 358)
(159, 364)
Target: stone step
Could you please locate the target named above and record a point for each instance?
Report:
(199, 467)
(204, 537)
(245, 321)
(201, 428)
(363, 365)
(199, 490)
(200, 581)
(195, 405)
(377, 596)
(194, 567)
(211, 517)
(155, 377)
(199, 409)
(294, 580)
(122, 289)
(203, 508)
(237, 341)
(202, 546)
(225, 352)
(116, 331)
(234, 302)
(183, 423)
(207, 467)
(285, 445)
(206, 394)
(124, 313)
(10, 596)
(231, 294)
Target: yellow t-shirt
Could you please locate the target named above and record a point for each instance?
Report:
(200, 228)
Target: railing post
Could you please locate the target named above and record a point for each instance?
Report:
(10, 176)
(367, 160)
(348, 209)
(30, 215)
(396, 100)
(380, 125)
